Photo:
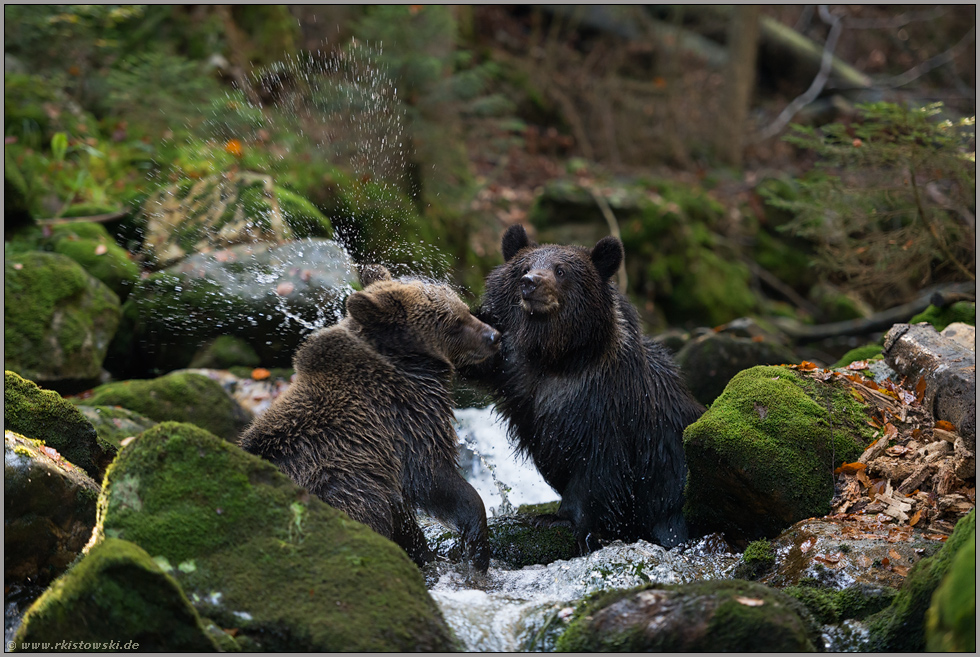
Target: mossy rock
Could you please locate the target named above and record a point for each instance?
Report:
(191, 216)
(517, 542)
(940, 318)
(901, 627)
(91, 246)
(865, 352)
(713, 616)
(115, 598)
(759, 557)
(178, 396)
(255, 552)
(951, 621)
(223, 352)
(114, 423)
(49, 511)
(833, 606)
(44, 415)
(761, 457)
(58, 318)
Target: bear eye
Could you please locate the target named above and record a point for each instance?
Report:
(559, 271)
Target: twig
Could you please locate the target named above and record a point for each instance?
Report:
(836, 25)
(570, 113)
(932, 229)
(891, 23)
(772, 281)
(610, 218)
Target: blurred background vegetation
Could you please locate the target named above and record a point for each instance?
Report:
(812, 162)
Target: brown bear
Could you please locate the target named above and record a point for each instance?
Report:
(367, 425)
(598, 407)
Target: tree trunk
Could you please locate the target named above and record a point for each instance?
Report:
(743, 44)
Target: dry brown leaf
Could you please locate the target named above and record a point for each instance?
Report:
(749, 602)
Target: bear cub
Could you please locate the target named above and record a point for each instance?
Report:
(367, 425)
(598, 407)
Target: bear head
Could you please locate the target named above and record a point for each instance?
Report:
(554, 299)
(416, 317)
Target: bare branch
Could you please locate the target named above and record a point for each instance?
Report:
(933, 62)
(807, 97)
(894, 22)
(610, 218)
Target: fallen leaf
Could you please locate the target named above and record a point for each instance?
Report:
(260, 373)
(807, 365)
(18, 266)
(101, 249)
(894, 555)
(749, 602)
(945, 426)
(920, 389)
(50, 451)
(863, 478)
(890, 431)
(284, 289)
(897, 450)
(126, 441)
(857, 365)
(850, 468)
(807, 544)
(900, 570)
(886, 562)
(935, 537)
(828, 561)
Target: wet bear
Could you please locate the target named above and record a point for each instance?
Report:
(367, 425)
(598, 407)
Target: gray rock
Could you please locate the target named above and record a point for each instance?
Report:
(49, 510)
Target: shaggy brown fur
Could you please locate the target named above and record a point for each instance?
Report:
(367, 426)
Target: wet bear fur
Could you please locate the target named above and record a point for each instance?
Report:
(598, 407)
(367, 424)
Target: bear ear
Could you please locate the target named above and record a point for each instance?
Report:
(363, 307)
(607, 255)
(514, 240)
(372, 274)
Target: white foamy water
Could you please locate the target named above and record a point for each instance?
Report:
(483, 432)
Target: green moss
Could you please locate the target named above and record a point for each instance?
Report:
(114, 424)
(716, 616)
(292, 573)
(866, 352)
(226, 351)
(179, 396)
(775, 437)
(91, 246)
(951, 621)
(518, 543)
(940, 318)
(115, 594)
(44, 415)
(302, 217)
(900, 627)
(55, 316)
(834, 606)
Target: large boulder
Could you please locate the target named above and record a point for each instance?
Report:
(43, 415)
(761, 457)
(178, 396)
(713, 616)
(901, 627)
(91, 246)
(709, 362)
(116, 598)
(48, 511)
(267, 295)
(255, 552)
(115, 424)
(58, 318)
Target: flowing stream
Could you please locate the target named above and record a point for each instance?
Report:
(523, 609)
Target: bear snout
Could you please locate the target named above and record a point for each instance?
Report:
(529, 283)
(491, 336)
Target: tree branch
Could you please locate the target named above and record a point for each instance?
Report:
(836, 25)
(917, 72)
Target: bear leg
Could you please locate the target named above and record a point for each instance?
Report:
(409, 536)
(454, 501)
